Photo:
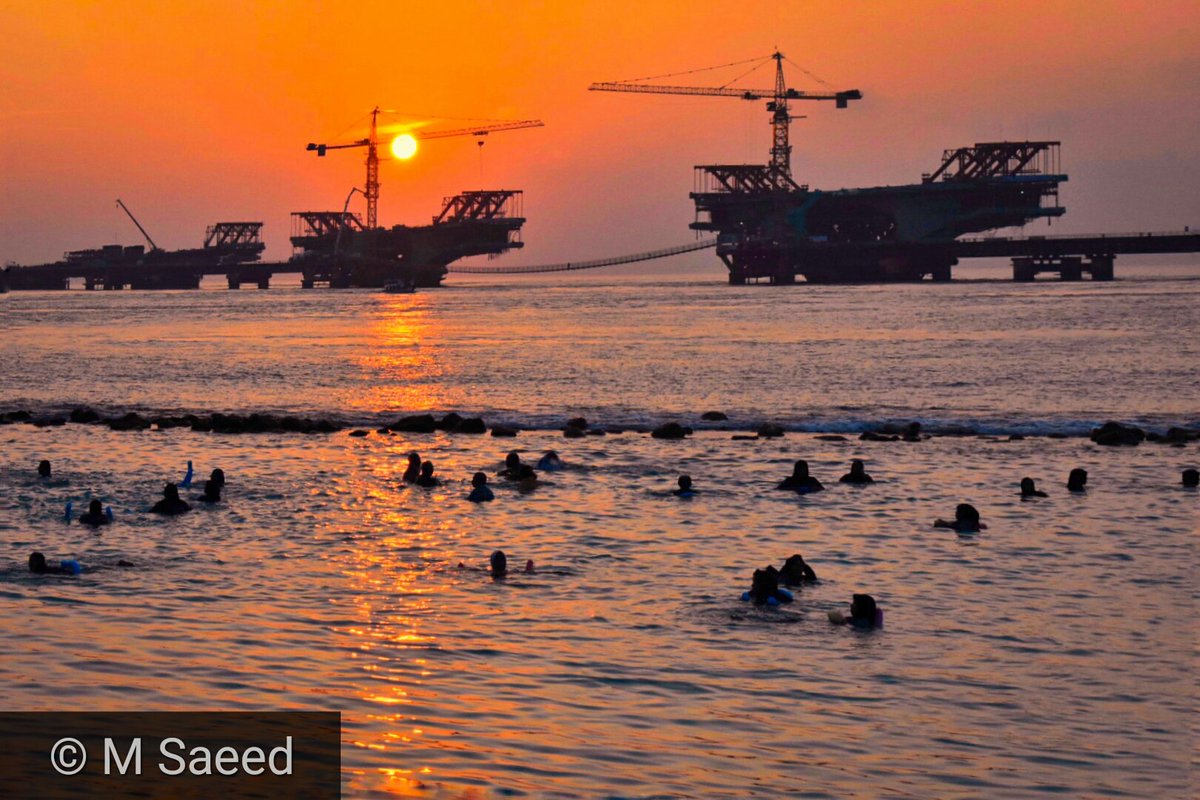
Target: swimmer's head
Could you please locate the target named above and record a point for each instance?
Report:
(95, 508)
(478, 480)
(794, 565)
(170, 491)
(856, 467)
(529, 566)
(414, 459)
(965, 512)
(1191, 478)
(763, 585)
(499, 563)
(685, 483)
(1077, 479)
(550, 454)
(863, 609)
(37, 563)
(217, 477)
(44, 468)
(1027, 487)
(512, 460)
(800, 469)
(427, 469)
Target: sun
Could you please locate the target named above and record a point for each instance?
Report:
(404, 146)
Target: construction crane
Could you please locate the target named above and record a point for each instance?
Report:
(371, 191)
(129, 213)
(781, 151)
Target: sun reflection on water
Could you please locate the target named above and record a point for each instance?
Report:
(401, 367)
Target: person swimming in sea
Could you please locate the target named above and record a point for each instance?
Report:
(38, 566)
(857, 473)
(171, 505)
(212, 492)
(764, 589)
(796, 571)
(43, 469)
(550, 462)
(95, 515)
(1191, 478)
(864, 613)
(413, 471)
(800, 481)
(966, 520)
(217, 476)
(685, 487)
(1028, 489)
(515, 469)
(426, 479)
(1077, 480)
(481, 493)
(498, 564)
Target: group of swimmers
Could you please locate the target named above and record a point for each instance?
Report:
(767, 584)
(98, 516)
(524, 477)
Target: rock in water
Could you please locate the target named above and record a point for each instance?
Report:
(769, 430)
(1114, 434)
(672, 430)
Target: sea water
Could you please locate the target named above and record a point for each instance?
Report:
(1050, 654)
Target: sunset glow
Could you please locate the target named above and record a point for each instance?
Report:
(404, 146)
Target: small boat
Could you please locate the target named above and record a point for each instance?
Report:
(399, 287)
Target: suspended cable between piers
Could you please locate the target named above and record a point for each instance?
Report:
(571, 266)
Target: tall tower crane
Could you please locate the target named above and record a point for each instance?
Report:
(781, 151)
(371, 192)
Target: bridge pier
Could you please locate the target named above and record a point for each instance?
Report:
(1069, 268)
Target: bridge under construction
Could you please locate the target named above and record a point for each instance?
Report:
(1070, 257)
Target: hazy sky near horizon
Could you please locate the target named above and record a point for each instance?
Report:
(198, 112)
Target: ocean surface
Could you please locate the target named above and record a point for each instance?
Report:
(1051, 655)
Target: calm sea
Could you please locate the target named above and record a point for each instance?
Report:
(1052, 654)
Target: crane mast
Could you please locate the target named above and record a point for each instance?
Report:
(372, 192)
(781, 151)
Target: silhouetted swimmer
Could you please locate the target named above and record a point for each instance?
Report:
(864, 613)
(499, 564)
(764, 589)
(38, 566)
(426, 478)
(171, 504)
(1029, 490)
(1077, 480)
(796, 571)
(800, 481)
(218, 478)
(550, 462)
(966, 520)
(515, 470)
(529, 570)
(212, 492)
(912, 433)
(413, 471)
(43, 468)
(481, 493)
(1191, 478)
(95, 515)
(685, 487)
(857, 473)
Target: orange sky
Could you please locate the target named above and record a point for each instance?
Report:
(198, 112)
